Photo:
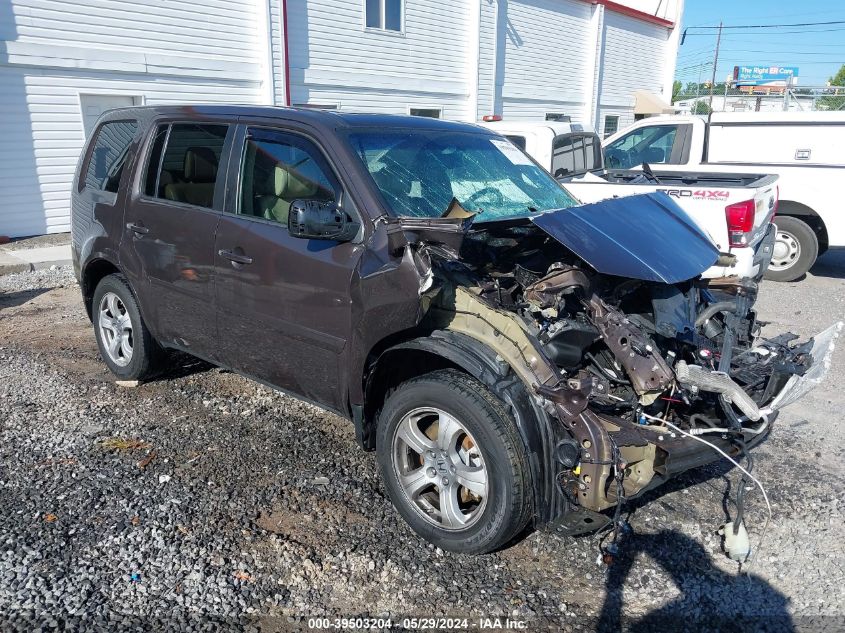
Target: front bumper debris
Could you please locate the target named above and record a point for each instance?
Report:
(821, 352)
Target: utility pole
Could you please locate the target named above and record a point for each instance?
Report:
(698, 85)
(715, 64)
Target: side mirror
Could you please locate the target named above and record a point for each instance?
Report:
(318, 220)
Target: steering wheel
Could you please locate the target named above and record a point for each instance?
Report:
(485, 191)
(615, 158)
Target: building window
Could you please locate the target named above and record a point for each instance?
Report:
(558, 116)
(431, 113)
(108, 156)
(611, 125)
(383, 14)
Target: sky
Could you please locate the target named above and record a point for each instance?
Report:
(817, 51)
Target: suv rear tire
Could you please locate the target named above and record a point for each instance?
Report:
(123, 339)
(795, 250)
(453, 463)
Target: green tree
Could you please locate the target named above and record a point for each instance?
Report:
(677, 86)
(839, 78)
(836, 101)
(701, 107)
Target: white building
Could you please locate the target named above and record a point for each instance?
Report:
(62, 62)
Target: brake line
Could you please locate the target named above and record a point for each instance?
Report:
(763, 534)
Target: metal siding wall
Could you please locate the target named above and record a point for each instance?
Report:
(52, 50)
(546, 54)
(213, 29)
(41, 133)
(634, 59)
(335, 60)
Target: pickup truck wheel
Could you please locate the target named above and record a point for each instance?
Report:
(795, 250)
(452, 462)
(123, 339)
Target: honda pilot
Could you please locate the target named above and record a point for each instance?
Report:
(514, 358)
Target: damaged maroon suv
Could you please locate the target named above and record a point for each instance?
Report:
(511, 356)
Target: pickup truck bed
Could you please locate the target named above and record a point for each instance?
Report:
(707, 198)
(691, 179)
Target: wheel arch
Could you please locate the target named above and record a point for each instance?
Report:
(92, 274)
(809, 216)
(445, 349)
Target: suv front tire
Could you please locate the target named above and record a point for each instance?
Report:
(453, 463)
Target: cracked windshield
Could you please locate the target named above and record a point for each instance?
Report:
(420, 172)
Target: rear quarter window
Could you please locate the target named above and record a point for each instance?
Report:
(109, 155)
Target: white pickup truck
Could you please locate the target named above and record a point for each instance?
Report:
(805, 150)
(735, 209)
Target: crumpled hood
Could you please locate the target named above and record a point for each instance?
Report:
(646, 237)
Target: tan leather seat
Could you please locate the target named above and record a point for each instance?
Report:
(200, 172)
(281, 189)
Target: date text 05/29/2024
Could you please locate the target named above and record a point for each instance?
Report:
(419, 624)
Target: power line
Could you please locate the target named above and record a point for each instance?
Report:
(818, 61)
(789, 15)
(772, 32)
(700, 51)
(780, 52)
(769, 26)
(694, 67)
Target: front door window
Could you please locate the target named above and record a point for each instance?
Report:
(651, 144)
(278, 169)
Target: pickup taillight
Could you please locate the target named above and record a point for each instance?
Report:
(740, 218)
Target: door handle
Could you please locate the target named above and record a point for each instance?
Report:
(137, 228)
(235, 258)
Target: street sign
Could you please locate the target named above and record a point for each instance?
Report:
(765, 75)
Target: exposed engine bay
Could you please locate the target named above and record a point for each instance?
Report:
(625, 364)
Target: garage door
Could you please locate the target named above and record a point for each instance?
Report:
(94, 105)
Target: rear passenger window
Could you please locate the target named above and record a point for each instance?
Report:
(187, 170)
(108, 156)
(277, 169)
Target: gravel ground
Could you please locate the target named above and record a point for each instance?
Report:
(203, 501)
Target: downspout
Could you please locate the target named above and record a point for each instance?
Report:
(268, 84)
(474, 56)
(593, 71)
(500, 54)
(597, 70)
(287, 56)
(671, 53)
